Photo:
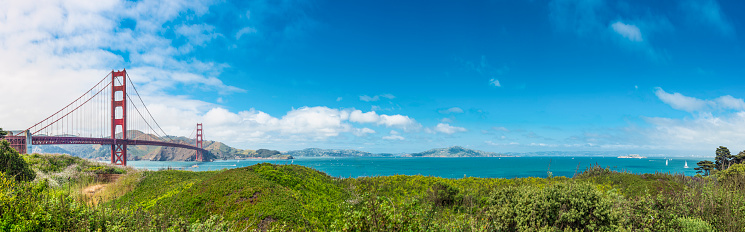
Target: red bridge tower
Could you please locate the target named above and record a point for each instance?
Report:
(200, 156)
(119, 118)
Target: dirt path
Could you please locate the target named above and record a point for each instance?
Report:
(90, 192)
(93, 189)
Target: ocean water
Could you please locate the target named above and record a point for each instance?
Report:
(492, 167)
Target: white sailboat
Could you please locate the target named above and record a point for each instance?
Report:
(686, 166)
(666, 162)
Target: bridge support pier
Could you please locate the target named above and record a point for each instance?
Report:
(29, 145)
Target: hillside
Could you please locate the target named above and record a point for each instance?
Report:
(455, 151)
(318, 152)
(217, 150)
(267, 197)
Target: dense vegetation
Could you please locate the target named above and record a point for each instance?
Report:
(290, 197)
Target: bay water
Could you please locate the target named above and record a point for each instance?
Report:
(487, 167)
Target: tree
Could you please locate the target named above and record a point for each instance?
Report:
(739, 158)
(12, 164)
(723, 158)
(705, 167)
(3, 133)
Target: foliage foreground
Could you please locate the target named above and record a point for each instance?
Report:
(268, 197)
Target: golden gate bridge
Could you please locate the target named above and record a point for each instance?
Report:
(102, 116)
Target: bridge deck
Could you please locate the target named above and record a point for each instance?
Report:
(19, 142)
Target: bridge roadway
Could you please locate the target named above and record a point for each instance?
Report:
(50, 140)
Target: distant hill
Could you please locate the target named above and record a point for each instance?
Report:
(318, 152)
(455, 151)
(440, 152)
(216, 150)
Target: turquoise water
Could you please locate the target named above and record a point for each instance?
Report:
(504, 167)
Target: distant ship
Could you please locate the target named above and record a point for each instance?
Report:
(686, 166)
(632, 156)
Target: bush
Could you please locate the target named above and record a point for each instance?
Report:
(734, 171)
(442, 194)
(573, 206)
(12, 164)
(693, 225)
(376, 213)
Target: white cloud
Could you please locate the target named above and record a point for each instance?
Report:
(495, 82)
(338, 99)
(452, 110)
(729, 102)
(360, 117)
(304, 124)
(399, 121)
(198, 34)
(376, 97)
(690, 104)
(501, 129)
(368, 98)
(244, 31)
(628, 31)
(363, 132)
(65, 47)
(680, 102)
(704, 132)
(448, 129)
(388, 95)
(394, 135)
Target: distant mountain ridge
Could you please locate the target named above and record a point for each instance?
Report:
(216, 150)
(318, 152)
(455, 151)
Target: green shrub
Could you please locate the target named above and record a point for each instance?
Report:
(734, 171)
(50, 163)
(105, 170)
(693, 225)
(442, 194)
(595, 170)
(562, 206)
(12, 164)
(376, 213)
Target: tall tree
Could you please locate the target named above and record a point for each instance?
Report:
(723, 158)
(3, 133)
(739, 158)
(705, 167)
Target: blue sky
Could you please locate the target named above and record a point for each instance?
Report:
(653, 77)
